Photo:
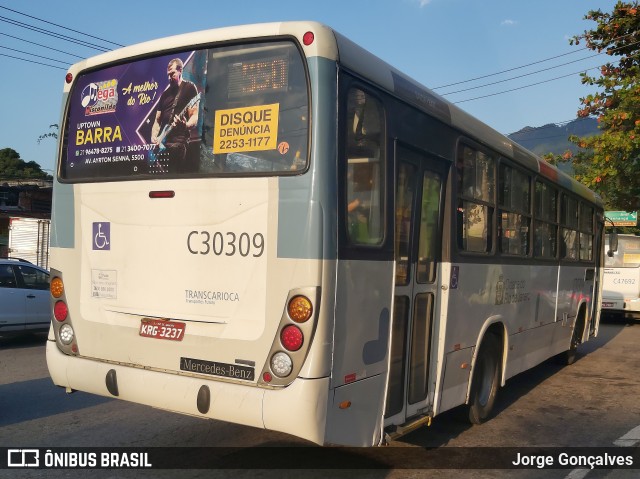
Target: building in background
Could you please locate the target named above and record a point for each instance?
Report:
(25, 217)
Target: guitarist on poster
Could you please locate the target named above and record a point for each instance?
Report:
(177, 113)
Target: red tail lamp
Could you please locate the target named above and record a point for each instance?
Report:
(308, 38)
(292, 338)
(60, 311)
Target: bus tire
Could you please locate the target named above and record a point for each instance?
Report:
(486, 380)
(571, 354)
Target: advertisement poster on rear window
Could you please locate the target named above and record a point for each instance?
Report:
(228, 110)
(136, 118)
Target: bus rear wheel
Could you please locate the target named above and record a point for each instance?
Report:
(486, 380)
(572, 352)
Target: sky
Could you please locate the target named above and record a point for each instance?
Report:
(436, 42)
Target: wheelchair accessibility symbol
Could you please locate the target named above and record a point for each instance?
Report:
(102, 236)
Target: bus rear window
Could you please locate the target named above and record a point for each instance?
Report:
(232, 110)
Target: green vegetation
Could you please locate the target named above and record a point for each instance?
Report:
(609, 162)
(12, 167)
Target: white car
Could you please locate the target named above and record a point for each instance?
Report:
(25, 303)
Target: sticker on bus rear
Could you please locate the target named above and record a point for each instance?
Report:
(252, 128)
(104, 284)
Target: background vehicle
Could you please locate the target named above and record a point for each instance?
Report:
(621, 281)
(29, 240)
(25, 303)
(343, 255)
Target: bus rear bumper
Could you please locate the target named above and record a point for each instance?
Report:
(621, 305)
(298, 410)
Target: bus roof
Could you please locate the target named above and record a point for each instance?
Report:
(335, 46)
(369, 66)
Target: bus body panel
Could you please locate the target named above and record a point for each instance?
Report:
(63, 210)
(354, 415)
(361, 338)
(620, 290)
(109, 326)
(621, 279)
(220, 298)
(455, 379)
(229, 402)
(363, 305)
(524, 301)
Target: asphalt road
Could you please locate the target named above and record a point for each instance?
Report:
(591, 404)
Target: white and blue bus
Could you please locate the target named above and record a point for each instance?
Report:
(621, 280)
(328, 248)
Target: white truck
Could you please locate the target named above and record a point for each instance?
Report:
(29, 240)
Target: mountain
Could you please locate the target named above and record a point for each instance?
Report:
(553, 138)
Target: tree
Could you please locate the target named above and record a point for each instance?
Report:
(13, 167)
(609, 162)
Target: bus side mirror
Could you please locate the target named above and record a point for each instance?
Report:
(613, 243)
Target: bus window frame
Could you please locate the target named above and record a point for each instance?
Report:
(64, 130)
(510, 209)
(492, 203)
(541, 219)
(562, 224)
(384, 250)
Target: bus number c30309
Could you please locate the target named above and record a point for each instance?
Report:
(227, 244)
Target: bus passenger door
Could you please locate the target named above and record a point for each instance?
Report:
(420, 180)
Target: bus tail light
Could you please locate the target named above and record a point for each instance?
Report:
(56, 287)
(281, 364)
(60, 311)
(66, 334)
(308, 38)
(300, 308)
(62, 327)
(292, 338)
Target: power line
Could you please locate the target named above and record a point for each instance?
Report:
(92, 45)
(520, 76)
(32, 61)
(538, 83)
(40, 45)
(53, 34)
(61, 26)
(34, 55)
(524, 86)
(507, 70)
(538, 71)
(535, 63)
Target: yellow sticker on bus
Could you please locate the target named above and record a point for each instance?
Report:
(251, 128)
(631, 258)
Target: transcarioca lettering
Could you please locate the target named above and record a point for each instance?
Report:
(191, 294)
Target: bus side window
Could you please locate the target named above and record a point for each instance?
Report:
(476, 204)
(365, 169)
(546, 223)
(514, 217)
(569, 230)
